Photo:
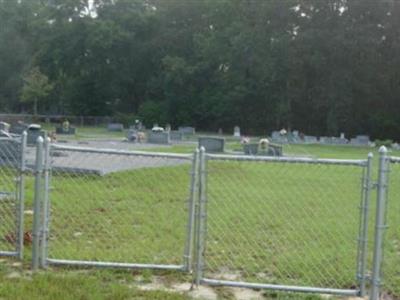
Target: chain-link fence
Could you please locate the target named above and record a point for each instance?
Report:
(12, 182)
(282, 223)
(117, 208)
(391, 256)
(289, 224)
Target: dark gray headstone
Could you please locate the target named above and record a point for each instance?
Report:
(132, 135)
(18, 128)
(159, 138)
(212, 144)
(115, 127)
(69, 130)
(176, 135)
(33, 135)
(187, 130)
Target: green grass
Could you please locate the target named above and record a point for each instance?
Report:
(275, 223)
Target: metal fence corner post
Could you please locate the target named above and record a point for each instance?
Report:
(380, 225)
(363, 234)
(46, 205)
(21, 197)
(194, 184)
(37, 204)
(201, 228)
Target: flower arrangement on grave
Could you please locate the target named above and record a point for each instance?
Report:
(263, 144)
(245, 140)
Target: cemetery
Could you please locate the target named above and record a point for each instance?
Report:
(99, 159)
(199, 150)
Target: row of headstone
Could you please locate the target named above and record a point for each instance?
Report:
(294, 137)
(333, 140)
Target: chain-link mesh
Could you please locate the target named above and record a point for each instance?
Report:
(10, 159)
(119, 208)
(282, 223)
(391, 256)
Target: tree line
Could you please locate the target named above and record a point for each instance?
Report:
(319, 66)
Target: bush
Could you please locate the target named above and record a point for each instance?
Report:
(386, 143)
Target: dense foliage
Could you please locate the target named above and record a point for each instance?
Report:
(322, 67)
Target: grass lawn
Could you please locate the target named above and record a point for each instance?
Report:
(271, 223)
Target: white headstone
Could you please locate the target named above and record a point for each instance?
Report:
(236, 131)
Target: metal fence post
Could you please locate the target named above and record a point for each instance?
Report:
(363, 234)
(21, 198)
(191, 209)
(45, 210)
(36, 204)
(202, 214)
(379, 223)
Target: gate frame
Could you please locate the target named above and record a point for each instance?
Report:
(43, 203)
(361, 261)
(381, 226)
(19, 201)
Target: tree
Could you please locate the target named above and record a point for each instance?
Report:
(36, 88)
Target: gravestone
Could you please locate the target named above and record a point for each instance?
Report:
(340, 141)
(309, 139)
(342, 135)
(212, 144)
(115, 127)
(250, 149)
(159, 138)
(236, 131)
(187, 130)
(277, 137)
(325, 140)
(360, 140)
(296, 136)
(18, 128)
(62, 130)
(176, 135)
(132, 135)
(34, 131)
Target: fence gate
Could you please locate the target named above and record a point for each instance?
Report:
(12, 188)
(112, 208)
(289, 224)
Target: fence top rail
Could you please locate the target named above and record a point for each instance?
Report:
(11, 139)
(301, 160)
(394, 159)
(121, 152)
